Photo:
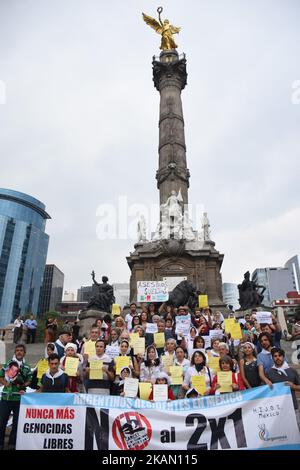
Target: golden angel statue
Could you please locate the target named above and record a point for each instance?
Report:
(165, 29)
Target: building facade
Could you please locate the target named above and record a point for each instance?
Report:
(231, 295)
(84, 294)
(23, 252)
(52, 289)
(278, 280)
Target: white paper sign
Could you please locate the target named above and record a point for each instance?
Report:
(151, 328)
(152, 291)
(264, 317)
(112, 351)
(160, 392)
(183, 325)
(218, 334)
(131, 387)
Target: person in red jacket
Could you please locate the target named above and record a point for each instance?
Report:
(163, 379)
(226, 365)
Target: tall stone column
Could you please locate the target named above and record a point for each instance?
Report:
(169, 76)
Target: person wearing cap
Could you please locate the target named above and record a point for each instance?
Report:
(198, 367)
(162, 378)
(71, 351)
(249, 366)
(64, 338)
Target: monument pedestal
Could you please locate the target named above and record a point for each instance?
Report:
(87, 318)
(199, 262)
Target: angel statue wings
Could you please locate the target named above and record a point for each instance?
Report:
(164, 28)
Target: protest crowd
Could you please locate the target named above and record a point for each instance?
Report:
(163, 353)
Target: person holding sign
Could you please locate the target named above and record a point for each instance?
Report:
(229, 382)
(170, 347)
(54, 380)
(183, 364)
(89, 346)
(113, 339)
(71, 363)
(198, 368)
(214, 351)
(42, 366)
(150, 366)
(100, 386)
(125, 373)
(162, 393)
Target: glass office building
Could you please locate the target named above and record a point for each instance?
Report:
(23, 252)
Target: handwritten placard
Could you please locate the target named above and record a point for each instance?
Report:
(139, 346)
(225, 380)
(160, 392)
(264, 317)
(159, 340)
(71, 366)
(176, 375)
(152, 291)
(42, 367)
(96, 372)
(145, 390)
(89, 348)
(131, 387)
(198, 382)
(121, 361)
(151, 328)
(203, 301)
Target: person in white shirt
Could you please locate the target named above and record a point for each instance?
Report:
(129, 316)
(18, 329)
(198, 368)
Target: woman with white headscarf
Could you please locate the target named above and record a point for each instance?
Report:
(73, 381)
(150, 366)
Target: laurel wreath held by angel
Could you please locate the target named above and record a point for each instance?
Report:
(164, 28)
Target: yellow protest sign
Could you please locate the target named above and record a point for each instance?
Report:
(203, 301)
(89, 348)
(139, 346)
(167, 362)
(235, 331)
(121, 361)
(96, 372)
(159, 340)
(229, 322)
(225, 380)
(71, 366)
(176, 375)
(145, 390)
(116, 310)
(133, 338)
(213, 363)
(42, 367)
(198, 382)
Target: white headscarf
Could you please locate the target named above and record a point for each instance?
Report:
(163, 375)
